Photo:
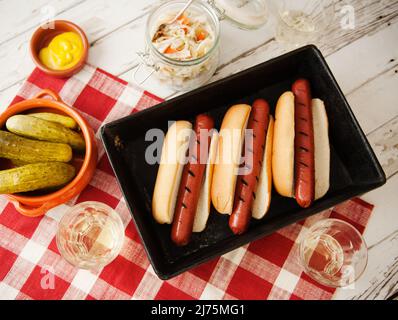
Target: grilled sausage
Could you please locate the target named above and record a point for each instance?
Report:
(247, 184)
(192, 177)
(304, 163)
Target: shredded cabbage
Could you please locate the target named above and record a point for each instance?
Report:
(190, 37)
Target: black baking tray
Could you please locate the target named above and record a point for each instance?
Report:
(354, 167)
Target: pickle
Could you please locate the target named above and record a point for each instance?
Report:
(30, 151)
(36, 176)
(45, 130)
(53, 117)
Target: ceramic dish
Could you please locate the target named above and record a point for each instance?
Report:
(37, 205)
(43, 36)
(354, 167)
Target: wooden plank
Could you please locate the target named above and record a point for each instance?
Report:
(19, 16)
(365, 59)
(383, 267)
(380, 58)
(97, 18)
(381, 236)
(362, 82)
(384, 141)
(376, 101)
(6, 96)
(339, 47)
(373, 103)
(368, 21)
(233, 57)
(381, 275)
(384, 280)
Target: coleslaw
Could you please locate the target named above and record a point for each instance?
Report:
(188, 49)
(190, 37)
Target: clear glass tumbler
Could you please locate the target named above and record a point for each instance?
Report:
(90, 235)
(299, 22)
(333, 253)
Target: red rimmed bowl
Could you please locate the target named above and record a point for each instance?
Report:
(42, 38)
(34, 206)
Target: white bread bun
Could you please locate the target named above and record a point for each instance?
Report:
(283, 146)
(228, 157)
(174, 150)
(204, 203)
(263, 194)
(322, 148)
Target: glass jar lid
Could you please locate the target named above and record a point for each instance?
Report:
(247, 14)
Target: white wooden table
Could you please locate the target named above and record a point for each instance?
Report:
(364, 61)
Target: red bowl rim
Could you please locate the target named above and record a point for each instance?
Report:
(91, 150)
(59, 73)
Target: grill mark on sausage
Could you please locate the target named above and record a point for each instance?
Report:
(244, 182)
(303, 149)
(187, 189)
(184, 205)
(304, 164)
(254, 195)
(303, 119)
(241, 199)
(190, 172)
(303, 133)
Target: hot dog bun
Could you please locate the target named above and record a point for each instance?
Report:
(168, 179)
(228, 157)
(204, 204)
(263, 195)
(283, 146)
(322, 148)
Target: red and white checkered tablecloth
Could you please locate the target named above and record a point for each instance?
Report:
(31, 267)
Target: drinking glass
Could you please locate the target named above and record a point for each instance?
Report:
(300, 21)
(90, 235)
(333, 253)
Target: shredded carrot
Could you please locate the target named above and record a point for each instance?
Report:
(201, 35)
(184, 20)
(170, 50)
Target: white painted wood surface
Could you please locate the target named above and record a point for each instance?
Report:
(364, 61)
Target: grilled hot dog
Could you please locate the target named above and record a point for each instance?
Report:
(191, 182)
(304, 164)
(247, 184)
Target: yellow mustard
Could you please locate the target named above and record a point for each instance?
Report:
(63, 52)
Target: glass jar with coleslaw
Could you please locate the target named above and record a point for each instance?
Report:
(185, 54)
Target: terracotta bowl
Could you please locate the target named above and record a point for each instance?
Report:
(43, 36)
(37, 205)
